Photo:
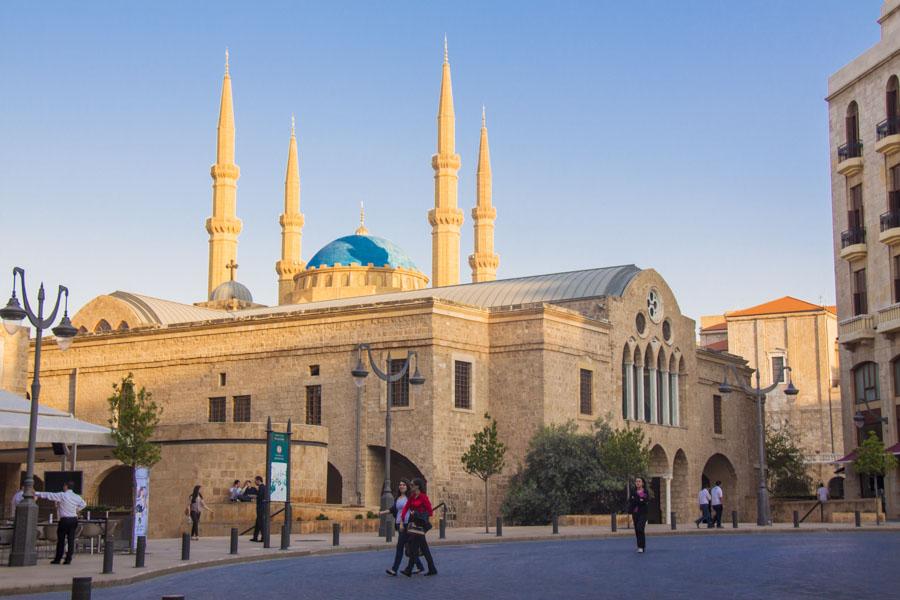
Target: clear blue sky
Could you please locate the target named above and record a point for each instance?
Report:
(688, 137)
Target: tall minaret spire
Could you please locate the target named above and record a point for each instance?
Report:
(291, 225)
(445, 218)
(223, 226)
(484, 262)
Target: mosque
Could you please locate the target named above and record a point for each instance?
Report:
(530, 351)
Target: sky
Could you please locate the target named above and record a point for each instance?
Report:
(688, 137)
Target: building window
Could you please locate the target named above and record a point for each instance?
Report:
(860, 297)
(314, 405)
(586, 392)
(313, 370)
(865, 382)
(896, 369)
(241, 409)
(855, 215)
(222, 379)
(462, 384)
(626, 371)
(717, 415)
(777, 369)
(400, 388)
(853, 147)
(640, 323)
(896, 265)
(217, 410)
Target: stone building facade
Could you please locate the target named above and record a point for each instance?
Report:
(788, 332)
(864, 140)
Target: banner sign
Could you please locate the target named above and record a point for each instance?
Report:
(141, 502)
(279, 466)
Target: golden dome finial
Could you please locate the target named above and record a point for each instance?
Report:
(361, 230)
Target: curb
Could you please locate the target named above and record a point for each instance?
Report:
(488, 539)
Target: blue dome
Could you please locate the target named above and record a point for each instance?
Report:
(361, 250)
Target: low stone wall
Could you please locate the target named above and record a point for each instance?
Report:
(225, 515)
(835, 511)
(622, 520)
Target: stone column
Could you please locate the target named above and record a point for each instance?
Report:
(629, 390)
(676, 409)
(665, 398)
(639, 404)
(653, 392)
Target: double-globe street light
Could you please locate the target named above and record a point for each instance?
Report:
(23, 551)
(359, 377)
(762, 492)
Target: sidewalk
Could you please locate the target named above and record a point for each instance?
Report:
(164, 555)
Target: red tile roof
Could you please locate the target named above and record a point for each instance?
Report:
(787, 304)
(721, 346)
(723, 326)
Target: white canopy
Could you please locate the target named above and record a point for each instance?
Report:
(54, 426)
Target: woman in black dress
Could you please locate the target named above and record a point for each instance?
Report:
(637, 508)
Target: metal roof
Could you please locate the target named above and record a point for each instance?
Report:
(155, 311)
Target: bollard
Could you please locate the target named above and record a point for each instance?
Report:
(335, 534)
(499, 526)
(173, 597)
(234, 540)
(108, 550)
(140, 555)
(555, 525)
(81, 588)
(443, 529)
(613, 524)
(673, 521)
(285, 537)
(734, 519)
(185, 546)
(796, 519)
(857, 517)
(389, 533)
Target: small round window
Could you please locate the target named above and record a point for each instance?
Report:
(640, 322)
(667, 330)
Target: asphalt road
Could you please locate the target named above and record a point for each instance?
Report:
(808, 565)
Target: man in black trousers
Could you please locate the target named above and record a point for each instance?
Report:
(262, 504)
(68, 505)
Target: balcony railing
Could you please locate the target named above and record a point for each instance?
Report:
(890, 219)
(856, 235)
(890, 126)
(850, 150)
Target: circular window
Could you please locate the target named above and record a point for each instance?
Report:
(667, 330)
(640, 322)
(654, 305)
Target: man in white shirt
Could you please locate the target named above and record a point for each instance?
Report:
(716, 501)
(68, 505)
(703, 499)
(16, 499)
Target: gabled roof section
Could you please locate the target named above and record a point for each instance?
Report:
(786, 304)
(155, 311)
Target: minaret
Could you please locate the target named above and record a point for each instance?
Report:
(484, 262)
(291, 225)
(445, 218)
(223, 226)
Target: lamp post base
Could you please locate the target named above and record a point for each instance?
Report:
(387, 500)
(23, 551)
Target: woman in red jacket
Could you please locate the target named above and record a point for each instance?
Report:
(419, 510)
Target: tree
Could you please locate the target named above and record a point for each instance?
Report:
(485, 458)
(787, 476)
(623, 453)
(133, 419)
(871, 460)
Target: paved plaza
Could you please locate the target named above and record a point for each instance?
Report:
(778, 564)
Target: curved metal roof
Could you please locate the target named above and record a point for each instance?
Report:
(155, 311)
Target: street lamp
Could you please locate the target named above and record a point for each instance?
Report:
(22, 552)
(762, 493)
(359, 376)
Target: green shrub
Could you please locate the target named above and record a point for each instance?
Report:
(321, 517)
(371, 515)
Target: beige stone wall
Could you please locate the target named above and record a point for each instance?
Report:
(14, 361)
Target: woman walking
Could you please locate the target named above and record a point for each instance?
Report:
(196, 506)
(414, 520)
(637, 506)
(402, 535)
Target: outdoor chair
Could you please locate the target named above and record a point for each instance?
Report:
(91, 532)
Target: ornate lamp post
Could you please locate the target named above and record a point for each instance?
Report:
(359, 375)
(22, 553)
(762, 492)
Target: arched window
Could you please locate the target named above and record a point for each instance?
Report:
(673, 391)
(661, 385)
(637, 379)
(101, 326)
(853, 146)
(891, 125)
(627, 391)
(123, 326)
(648, 364)
(895, 370)
(865, 383)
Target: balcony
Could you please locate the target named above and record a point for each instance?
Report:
(850, 158)
(856, 330)
(888, 320)
(890, 227)
(853, 244)
(888, 135)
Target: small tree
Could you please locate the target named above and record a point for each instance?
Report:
(485, 458)
(623, 452)
(787, 474)
(873, 461)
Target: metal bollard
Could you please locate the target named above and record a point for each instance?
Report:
(857, 517)
(673, 521)
(389, 532)
(81, 588)
(499, 526)
(796, 519)
(443, 529)
(234, 541)
(335, 534)
(613, 522)
(285, 536)
(140, 556)
(555, 525)
(185, 546)
(734, 519)
(173, 597)
(108, 550)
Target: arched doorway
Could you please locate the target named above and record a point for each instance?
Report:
(401, 468)
(682, 494)
(116, 489)
(334, 491)
(719, 468)
(836, 488)
(659, 471)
